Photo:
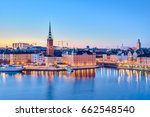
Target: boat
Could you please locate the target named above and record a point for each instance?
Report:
(11, 68)
(69, 69)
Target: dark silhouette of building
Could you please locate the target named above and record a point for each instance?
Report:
(138, 45)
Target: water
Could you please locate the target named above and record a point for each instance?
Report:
(92, 84)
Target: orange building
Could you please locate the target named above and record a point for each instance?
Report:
(80, 58)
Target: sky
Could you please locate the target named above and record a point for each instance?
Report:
(97, 23)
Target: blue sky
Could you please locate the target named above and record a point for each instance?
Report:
(98, 23)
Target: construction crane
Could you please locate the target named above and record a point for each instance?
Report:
(61, 43)
(34, 44)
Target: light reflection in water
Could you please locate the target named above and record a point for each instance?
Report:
(121, 75)
(87, 73)
(101, 83)
(146, 77)
(4, 76)
(18, 76)
(132, 75)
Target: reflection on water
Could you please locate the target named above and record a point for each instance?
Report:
(101, 83)
(87, 73)
(133, 75)
(121, 75)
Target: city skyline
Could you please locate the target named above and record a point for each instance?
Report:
(98, 24)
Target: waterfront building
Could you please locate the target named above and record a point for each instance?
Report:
(50, 61)
(79, 58)
(135, 55)
(123, 57)
(5, 58)
(138, 44)
(114, 58)
(20, 58)
(38, 58)
(143, 60)
(21, 45)
(99, 59)
(59, 60)
(105, 57)
(50, 48)
(99, 56)
(130, 56)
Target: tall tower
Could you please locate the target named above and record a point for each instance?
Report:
(50, 48)
(138, 44)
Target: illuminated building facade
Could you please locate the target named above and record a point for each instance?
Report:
(144, 61)
(20, 58)
(130, 56)
(114, 58)
(38, 58)
(50, 61)
(80, 58)
(5, 58)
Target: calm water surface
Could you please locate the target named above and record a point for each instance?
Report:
(101, 83)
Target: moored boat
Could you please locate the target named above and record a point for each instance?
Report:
(11, 68)
(69, 69)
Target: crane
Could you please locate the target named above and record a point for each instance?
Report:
(61, 43)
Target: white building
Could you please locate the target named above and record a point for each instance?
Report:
(130, 56)
(5, 57)
(135, 55)
(122, 57)
(105, 58)
(38, 58)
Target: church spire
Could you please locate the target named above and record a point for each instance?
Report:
(50, 34)
(50, 47)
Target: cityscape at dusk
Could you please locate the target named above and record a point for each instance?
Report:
(110, 23)
(75, 50)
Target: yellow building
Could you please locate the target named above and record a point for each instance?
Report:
(20, 58)
(80, 58)
(50, 61)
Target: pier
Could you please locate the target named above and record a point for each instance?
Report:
(44, 68)
(107, 65)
